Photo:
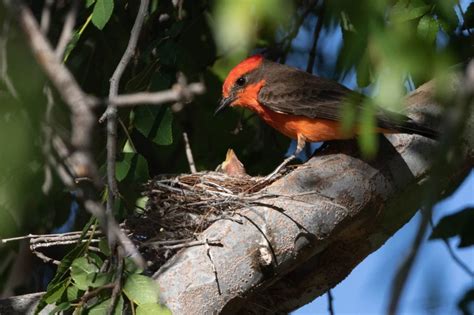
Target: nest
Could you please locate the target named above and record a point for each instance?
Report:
(180, 208)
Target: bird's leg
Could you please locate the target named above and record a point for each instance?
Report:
(299, 147)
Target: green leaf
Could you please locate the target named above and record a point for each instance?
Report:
(363, 71)
(155, 124)
(368, 138)
(428, 28)
(102, 12)
(404, 11)
(128, 148)
(164, 134)
(61, 307)
(55, 293)
(89, 3)
(131, 267)
(102, 307)
(61, 272)
(85, 273)
(457, 224)
(132, 164)
(141, 289)
(72, 293)
(104, 246)
(152, 309)
(123, 167)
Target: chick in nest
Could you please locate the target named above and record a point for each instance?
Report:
(232, 165)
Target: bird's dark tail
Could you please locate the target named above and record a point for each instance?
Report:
(412, 127)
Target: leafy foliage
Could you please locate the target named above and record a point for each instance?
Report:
(457, 224)
(386, 46)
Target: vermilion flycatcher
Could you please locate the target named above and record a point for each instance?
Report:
(302, 106)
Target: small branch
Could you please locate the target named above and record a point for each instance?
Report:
(185, 244)
(46, 147)
(189, 153)
(295, 29)
(46, 16)
(405, 267)
(453, 255)
(3, 58)
(317, 32)
(68, 28)
(117, 284)
(111, 112)
(330, 303)
(175, 94)
(89, 295)
(45, 258)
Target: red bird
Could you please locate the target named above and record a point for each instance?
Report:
(300, 105)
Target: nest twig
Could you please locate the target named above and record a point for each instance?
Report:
(179, 208)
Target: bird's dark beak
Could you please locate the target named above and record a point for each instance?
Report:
(224, 102)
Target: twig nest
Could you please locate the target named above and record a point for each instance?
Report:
(179, 208)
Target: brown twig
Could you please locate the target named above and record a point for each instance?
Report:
(189, 154)
(453, 255)
(175, 94)
(330, 303)
(46, 16)
(405, 267)
(68, 27)
(3, 58)
(111, 112)
(317, 32)
(288, 39)
(117, 289)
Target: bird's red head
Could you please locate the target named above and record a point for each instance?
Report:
(238, 81)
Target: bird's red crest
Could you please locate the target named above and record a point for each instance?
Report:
(242, 68)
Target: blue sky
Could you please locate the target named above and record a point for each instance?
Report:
(436, 283)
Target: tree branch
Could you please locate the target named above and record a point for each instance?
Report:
(317, 31)
(111, 112)
(83, 121)
(346, 209)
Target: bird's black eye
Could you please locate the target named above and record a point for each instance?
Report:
(241, 81)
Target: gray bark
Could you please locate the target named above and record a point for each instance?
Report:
(290, 250)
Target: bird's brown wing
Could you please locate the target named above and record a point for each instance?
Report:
(299, 93)
(291, 91)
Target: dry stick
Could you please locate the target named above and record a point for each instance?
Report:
(330, 303)
(317, 31)
(111, 112)
(82, 121)
(295, 29)
(66, 33)
(117, 285)
(46, 16)
(453, 255)
(189, 154)
(405, 267)
(175, 94)
(3, 58)
(47, 134)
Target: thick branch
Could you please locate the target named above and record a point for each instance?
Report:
(348, 208)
